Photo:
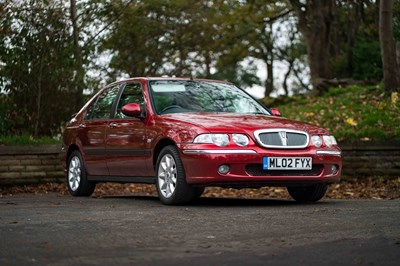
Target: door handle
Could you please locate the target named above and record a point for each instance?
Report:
(113, 125)
(82, 126)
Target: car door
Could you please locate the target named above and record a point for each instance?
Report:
(126, 137)
(92, 132)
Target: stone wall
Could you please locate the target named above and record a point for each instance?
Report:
(39, 164)
(30, 164)
(378, 159)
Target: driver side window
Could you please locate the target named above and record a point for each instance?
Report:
(132, 94)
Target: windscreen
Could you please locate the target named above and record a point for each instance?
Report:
(172, 96)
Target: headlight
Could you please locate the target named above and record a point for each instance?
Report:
(240, 139)
(329, 140)
(217, 139)
(316, 141)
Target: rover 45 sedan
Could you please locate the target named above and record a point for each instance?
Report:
(184, 134)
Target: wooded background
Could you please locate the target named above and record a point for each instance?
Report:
(53, 53)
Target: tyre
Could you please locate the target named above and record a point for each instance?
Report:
(198, 191)
(77, 182)
(171, 179)
(308, 193)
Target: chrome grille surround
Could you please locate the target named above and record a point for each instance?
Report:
(281, 138)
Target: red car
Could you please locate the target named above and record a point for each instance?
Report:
(185, 134)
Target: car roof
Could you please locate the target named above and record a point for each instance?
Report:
(165, 78)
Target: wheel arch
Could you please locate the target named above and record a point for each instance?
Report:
(71, 148)
(159, 146)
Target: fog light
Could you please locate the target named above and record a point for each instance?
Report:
(223, 169)
(334, 169)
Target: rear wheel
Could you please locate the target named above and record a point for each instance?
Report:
(77, 182)
(308, 193)
(171, 179)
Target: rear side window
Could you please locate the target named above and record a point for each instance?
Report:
(102, 108)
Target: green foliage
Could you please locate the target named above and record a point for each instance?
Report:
(208, 39)
(356, 41)
(396, 21)
(26, 140)
(160, 37)
(352, 113)
(40, 74)
(6, 122)
(367, 62)
(37, 66)
(239, 75)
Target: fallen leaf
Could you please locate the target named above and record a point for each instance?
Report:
(351, 122)
(394, 98)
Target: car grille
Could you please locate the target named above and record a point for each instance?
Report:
(282, 138)
(257, 170)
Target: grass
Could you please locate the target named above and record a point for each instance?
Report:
(27, 140)
(351, 113)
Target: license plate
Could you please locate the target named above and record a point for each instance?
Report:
(287, 163)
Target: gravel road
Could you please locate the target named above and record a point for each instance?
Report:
(54, 229)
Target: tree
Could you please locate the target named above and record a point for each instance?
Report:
(36, 59)
(315, 21)
(153, 38)
(391, 71)
(249, 32)
(293, 53)
(45, 52)
(355, 52)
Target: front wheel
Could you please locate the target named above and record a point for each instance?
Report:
(171, 179)
(77, 182)
(198, 191)
(308, 193)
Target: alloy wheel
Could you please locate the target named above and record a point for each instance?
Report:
(167, 175)
(74, 173)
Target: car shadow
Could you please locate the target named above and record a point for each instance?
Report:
(227, 202)
(250, 202)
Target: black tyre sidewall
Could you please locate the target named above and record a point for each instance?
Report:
(198, 191)
(308, 193)
(85, 187)
(183, 192)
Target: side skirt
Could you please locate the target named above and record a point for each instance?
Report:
(123, 179)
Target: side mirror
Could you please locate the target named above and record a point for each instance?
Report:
(275, 112)
(132, 109)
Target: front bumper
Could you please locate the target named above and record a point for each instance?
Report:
(245, 166)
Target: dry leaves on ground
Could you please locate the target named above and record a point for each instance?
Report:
(346, 189)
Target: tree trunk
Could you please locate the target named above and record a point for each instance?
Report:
(315, 19)
(388, 52)
(284, 84)
(207, 61)
(38, 107)
(38, 116)
(353, 24)
(269, 83)
(79, 71)
(269, 60)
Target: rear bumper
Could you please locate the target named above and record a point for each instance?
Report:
(201, 167)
